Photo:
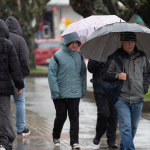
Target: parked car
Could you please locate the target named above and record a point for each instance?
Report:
(45, 49)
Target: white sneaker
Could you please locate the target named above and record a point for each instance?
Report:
(2, 148)
(76, 146)
(56, 142)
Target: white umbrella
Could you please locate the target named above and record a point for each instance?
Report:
(106, 40)
(88, 25)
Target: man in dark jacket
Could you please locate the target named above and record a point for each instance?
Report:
(135, 83)
(107, 119)
(9, 68)
(15, 36)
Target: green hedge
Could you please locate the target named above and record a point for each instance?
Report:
(39, 70)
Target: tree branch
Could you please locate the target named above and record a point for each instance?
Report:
(83, 7)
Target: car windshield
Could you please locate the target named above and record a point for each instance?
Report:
(48, 45)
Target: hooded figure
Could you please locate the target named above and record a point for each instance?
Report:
(15, 36)
(9, 68)
(67, 81)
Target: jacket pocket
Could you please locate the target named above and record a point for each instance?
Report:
(138, 87)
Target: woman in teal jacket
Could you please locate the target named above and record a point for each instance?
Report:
(67, 82)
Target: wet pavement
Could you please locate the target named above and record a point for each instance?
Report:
(40, 114)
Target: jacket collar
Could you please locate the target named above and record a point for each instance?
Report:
(123, 52)
(120, 54)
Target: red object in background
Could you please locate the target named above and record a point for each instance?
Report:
(82, 39)
(45, 49)
(61, 38)
(54, 9)
(63, 19)
(41, 25)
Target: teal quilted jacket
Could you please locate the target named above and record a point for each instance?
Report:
(67, 79)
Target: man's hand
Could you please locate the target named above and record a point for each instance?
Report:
(19, 92)
(122, 76)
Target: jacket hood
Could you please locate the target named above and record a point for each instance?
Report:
(4, 31)
(68, 38)
(13, 25)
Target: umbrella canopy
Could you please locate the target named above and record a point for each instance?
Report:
(88, 25)
(106, 40)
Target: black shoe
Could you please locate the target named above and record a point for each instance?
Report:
(96, 140)
(56, 142)
(25, 132)
(112, 145)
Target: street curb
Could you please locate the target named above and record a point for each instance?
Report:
(146, 104)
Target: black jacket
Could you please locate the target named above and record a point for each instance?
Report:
(9, 63)
(96, 67)
(15, 36)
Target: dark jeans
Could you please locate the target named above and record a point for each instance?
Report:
(107, 118)
(62, 106)
(7, 134)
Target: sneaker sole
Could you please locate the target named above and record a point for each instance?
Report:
(25, 134)
(76, 147)
(57, 145)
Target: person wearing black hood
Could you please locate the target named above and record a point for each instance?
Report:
(107, 119)
(15, 36)
(9, 68)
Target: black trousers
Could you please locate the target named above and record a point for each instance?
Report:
(107, 118)
(7, 134)
(62, 106)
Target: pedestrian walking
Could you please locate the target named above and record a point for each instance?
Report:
(131, 66)
(9, 68)
(67, 81)
(15, 36)
(107, 117)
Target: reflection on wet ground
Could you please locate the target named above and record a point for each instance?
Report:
(40, 114)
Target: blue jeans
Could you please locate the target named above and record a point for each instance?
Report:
(129, 116)
(20, 108)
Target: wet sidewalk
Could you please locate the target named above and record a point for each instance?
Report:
(40, 114)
